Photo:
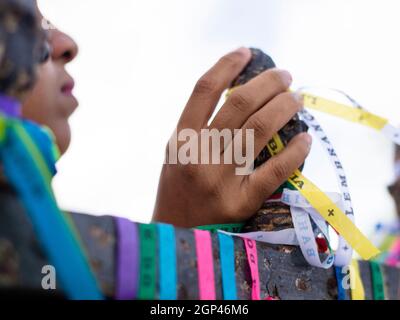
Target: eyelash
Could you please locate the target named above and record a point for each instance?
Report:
(45, 52)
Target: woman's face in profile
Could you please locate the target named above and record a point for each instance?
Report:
(51, 102)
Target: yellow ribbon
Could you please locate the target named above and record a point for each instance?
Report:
(357, 287)
(326, 208)
(343, 111)
(318, 199)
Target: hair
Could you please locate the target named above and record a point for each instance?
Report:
(21, 46)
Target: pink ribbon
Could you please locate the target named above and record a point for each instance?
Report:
(252, 257)
(205, 265)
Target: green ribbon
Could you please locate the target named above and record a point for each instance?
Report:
(148, 251)
(377, 281)
(230, 227)
(27, 170)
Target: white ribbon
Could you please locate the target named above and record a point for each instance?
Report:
(344, 252)
(302, 211)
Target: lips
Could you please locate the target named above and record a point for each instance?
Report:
(68, 101)
(67, 89)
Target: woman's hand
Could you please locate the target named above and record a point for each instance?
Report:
(199, 194)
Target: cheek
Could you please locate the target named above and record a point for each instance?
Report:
(40, 109)
(39, 104)
(43, 106)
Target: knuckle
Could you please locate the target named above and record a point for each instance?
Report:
(240, 101)
(206, 85)
(280, 170)
(259, 126)
(291, 101)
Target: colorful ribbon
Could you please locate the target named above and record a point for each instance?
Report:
(339, 280)
(393, 258)
(377, 281)
(344, 251)
(26, 169)
(205, 265)
(127, 260)
(10, 106)
(252, 257)
(227, 258)
(229, 227)
(327, 209)
(357, 115)
(356, 284)
(148, 244)
(306, 238)
(168, 267)
(45, 142)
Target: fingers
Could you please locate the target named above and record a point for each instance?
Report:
(209, 88)
(272, 117)
(249, 98)
(266, 179)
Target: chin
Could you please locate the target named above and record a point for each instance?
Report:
(63, 137)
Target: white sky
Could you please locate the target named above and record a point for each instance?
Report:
(139, 61)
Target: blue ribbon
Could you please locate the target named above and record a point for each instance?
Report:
(227, 257)
(17, 153)
(339, 280)
(168, 273)
(43, 142)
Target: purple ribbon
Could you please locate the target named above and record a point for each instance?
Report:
(11, 107)
(128, 259)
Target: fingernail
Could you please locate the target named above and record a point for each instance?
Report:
(243, 50)
(289, 75)
(286, 76)
(308, 139)
(299, 97)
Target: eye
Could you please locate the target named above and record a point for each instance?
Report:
(45, 52)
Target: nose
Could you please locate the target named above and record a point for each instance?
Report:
(64, 48)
